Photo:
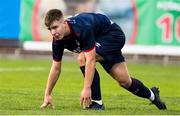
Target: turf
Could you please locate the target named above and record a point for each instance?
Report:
(22, 84)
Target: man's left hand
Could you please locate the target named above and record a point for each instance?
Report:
(85, 99)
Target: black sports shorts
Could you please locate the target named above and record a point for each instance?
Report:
(109, 47)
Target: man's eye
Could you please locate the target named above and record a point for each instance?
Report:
(49, 28)
(54, 27)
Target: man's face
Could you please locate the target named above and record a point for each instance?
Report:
(57, 29)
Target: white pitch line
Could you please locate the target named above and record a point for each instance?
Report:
(33, 69)
(19, 69)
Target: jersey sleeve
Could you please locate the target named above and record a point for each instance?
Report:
(57, 50)
(88, 39)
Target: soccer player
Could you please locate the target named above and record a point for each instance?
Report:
(96, 39)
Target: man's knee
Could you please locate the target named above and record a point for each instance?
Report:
(126, 83)
(123, 79)
(120, 73)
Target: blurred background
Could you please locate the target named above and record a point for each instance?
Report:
(152, 27)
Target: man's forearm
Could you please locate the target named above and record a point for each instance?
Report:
(53, 77)
(89, 73)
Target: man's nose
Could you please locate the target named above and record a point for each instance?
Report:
(53, 31)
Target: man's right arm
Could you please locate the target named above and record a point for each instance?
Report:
(52, 79)
(53, 76)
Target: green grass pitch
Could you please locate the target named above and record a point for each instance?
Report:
(22, 84)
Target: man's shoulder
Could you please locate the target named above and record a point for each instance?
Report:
(81, 17)
(77, 24)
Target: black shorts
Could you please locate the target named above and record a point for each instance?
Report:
(109, 47)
